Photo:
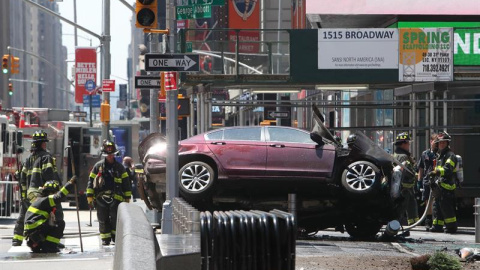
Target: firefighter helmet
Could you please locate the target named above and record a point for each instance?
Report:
(403, 137)
(442, 137)
(39, 136)
(50, 187)
(109, 147)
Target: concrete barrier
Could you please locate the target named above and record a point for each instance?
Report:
(135, 243)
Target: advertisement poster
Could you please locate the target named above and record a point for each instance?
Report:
(466, 47)
(425, 54)
(360, 48)
(298, 14)
(244, 14)
(85, 69)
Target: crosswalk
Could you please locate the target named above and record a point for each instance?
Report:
(72, 245)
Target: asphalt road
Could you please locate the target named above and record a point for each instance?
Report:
(321, 251)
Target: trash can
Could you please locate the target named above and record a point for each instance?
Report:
(477, 220)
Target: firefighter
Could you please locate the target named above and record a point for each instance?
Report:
(44, 169)
(109, 184)
(129, 168)
(25, 175)
(403, 155)
(444, 186)
(425, 166)
(42, 231)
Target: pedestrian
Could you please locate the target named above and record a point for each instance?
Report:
(109, 184)
(425, 166)
(24, 177)
(403, 155)
(444, 186)
(44, 169)
(42, 230)
(129, 168)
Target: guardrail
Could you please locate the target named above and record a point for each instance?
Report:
(9, 199)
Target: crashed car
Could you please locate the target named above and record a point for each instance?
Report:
(256, 167)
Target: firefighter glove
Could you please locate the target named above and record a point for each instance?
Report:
(90, 200)
(73, 180)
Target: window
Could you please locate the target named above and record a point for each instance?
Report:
(243, 134)
(215, 135)
(289, 135)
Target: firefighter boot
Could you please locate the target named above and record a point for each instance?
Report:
(105, 242)
(428, 223)
(50, 247)
(16, 243)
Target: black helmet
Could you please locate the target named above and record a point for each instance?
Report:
(443, 136)
(403, 137)
(39, 136)
(50, 187)
(109, 147)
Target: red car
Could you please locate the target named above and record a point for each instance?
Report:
(257, 166)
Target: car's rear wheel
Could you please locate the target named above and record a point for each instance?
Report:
(361, 178)
(197, 180)
(363, 230)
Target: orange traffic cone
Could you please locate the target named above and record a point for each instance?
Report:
(22, 119)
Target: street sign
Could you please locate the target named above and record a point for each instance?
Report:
(194, 12)
(147, 82)
(108, 85)
(90, 86)
(170, 81)
(79, 114)
(172, 62)
(188, 47)
(95, 101)
(199, 2)
(283, 115)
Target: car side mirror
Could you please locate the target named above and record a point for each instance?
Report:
(317, 138)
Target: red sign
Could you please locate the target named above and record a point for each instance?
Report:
(85, 69)
(170, 81)
(108, 85)
(244, 14)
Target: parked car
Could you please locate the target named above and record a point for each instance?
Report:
(256, 167)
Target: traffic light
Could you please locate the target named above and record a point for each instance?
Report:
(10, 89)
(5, 60)
(146, 14)
(15, 64)
(162, 94)
(105, 112)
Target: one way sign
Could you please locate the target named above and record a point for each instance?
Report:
(172, 62)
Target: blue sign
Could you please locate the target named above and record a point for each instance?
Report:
(95, 101)
(90, 85)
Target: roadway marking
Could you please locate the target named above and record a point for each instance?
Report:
(49, 260)
(404, 250)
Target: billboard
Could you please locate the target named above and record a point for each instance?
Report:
(85, 69)
(466, 47)
(425, 54)
(360, 48)
(244, 14)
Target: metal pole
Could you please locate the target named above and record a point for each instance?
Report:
(477, 220)
(432, 111)
(154, 106)
(106, 58)
(90, 101)
(445, 96)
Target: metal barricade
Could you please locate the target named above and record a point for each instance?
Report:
(247, 240)
(10, 199)
(186, 219)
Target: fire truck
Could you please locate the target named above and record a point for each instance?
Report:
(10, 141)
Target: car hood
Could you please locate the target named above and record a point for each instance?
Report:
(320, 128)
(153, 146)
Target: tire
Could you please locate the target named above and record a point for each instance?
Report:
(363, 230)
(361, 178)
(197, 180)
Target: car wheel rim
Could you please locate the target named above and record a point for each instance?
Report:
(360, 177)
(195, 178)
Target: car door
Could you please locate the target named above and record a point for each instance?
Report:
(291, 153)
(241, 151)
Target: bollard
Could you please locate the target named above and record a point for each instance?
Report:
(477, 220)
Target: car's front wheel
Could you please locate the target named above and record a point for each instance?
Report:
(197, 180)
(361, 178)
